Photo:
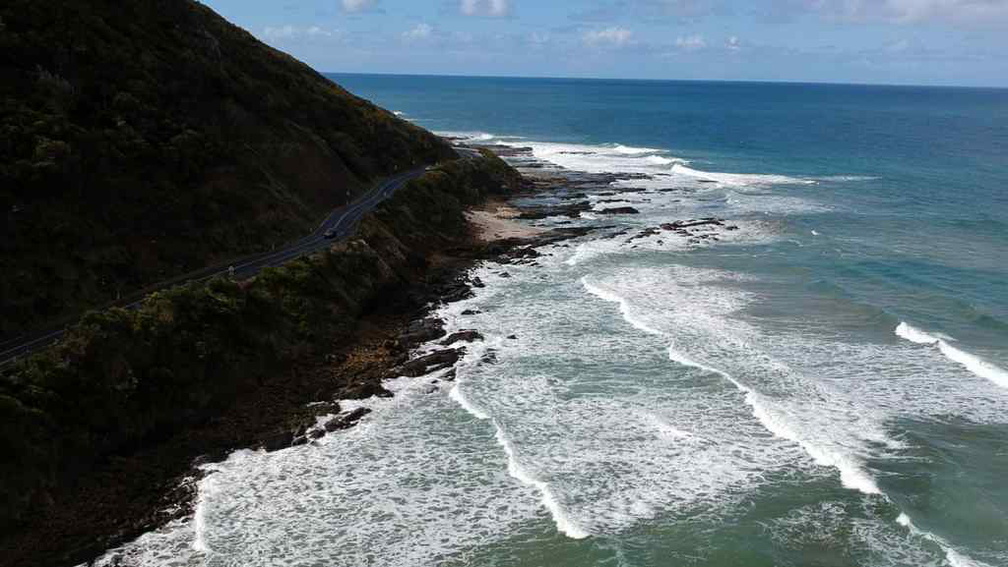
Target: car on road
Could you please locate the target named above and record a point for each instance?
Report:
(330, 234)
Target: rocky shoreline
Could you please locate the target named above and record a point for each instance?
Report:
(141, 491)
(131, 495)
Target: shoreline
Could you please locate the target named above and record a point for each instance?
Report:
(132, 494)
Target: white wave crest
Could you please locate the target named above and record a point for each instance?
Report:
(971, 362)
(468, 136)
(740, 178)
(604, 158)
(457, 395)
(628, 315)
(955, 558)
(564, 524)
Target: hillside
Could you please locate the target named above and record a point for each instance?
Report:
(145, 139)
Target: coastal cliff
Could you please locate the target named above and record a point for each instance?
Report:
(125, 380)
(142, 140)
(147, 139)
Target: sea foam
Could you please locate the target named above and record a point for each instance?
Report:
(973, 363)
(852, 475)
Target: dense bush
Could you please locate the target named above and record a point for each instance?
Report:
(143, 139)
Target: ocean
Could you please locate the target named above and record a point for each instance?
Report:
(824, 384)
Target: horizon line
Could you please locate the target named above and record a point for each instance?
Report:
(653, 80)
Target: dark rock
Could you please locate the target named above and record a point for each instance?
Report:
(573, 211)
(467, 335)
(678, 225)
(476, 282)
(346, 421)
(619, 211)
(644, 234)
(504, 275)
(527, 252)
(422, 331)
(513, 337)
(449, 376)
(299, 440)
(277, 441)
(455, 292)
(363, 389)
(431, 362)
(316, 433)
(471, 312)
(430, 389)
(490, 357)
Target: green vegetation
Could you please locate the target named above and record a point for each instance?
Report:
(122, 378)
(141, 140)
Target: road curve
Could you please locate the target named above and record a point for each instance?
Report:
(341, 221)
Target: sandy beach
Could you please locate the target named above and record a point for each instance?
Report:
(495, 221)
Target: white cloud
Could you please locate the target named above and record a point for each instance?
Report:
(316, 31)
(493, 8)
(283, 32)
(538, 39)
(419, 32)
(691, 42)
(733, 43)
(358, 5)
(609, 36)
(288, 32)
(913, 11)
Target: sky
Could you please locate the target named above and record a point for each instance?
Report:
(921, 42)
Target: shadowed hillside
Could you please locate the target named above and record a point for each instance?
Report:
(144, 139)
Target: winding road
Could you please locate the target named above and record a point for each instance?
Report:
(338, 225)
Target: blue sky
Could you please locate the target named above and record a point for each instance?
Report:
(930, 42)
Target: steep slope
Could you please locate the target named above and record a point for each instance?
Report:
(144, 139)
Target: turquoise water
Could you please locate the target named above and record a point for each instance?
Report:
(826, 385)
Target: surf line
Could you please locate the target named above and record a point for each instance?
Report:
(973, 363)
(852, 476)
(547, 497)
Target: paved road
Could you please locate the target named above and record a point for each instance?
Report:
(340, 222)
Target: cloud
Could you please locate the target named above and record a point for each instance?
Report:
(910, 11)
(358, 5)
(419, 32)
(538, 39)
(288, 32)
(693, 42)
(492, 8)
(733, 43)
(614, 36)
